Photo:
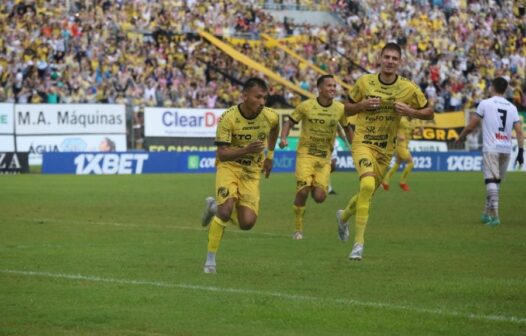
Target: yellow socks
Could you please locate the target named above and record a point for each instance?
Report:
(298, 213)
(406, 171)
(350, 209)
(391, 172)
(367, 187)
(215, 233)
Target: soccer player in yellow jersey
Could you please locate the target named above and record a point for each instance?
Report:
(243, 132)
(379, 101)
(319, 119)
(403, 155)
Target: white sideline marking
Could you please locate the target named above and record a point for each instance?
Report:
(293, 297)
(132, 225)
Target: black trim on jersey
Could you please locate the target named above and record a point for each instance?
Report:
(325, 106)
(386, 83)
(478, 115)
(221, 143)
(488, 181)
(241, 112)
(294, 121)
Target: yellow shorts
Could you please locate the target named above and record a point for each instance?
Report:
(238, 182)
(312, 172)
(368, 160)
(403, 153)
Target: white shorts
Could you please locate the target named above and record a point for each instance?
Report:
(495, 165)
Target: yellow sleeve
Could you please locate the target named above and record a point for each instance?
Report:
(224, 130)
(297, 115)
(356, 93)
(419, 99)
(344, 120)
(275, 119)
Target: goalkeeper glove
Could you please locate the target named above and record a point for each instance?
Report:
(520, 157)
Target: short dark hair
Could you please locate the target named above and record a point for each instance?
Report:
(255, 81)
(320, 80)
(500, 85)
(392, 46)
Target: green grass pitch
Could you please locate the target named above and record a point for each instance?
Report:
(123, 255)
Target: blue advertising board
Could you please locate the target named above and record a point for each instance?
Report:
(204, 162)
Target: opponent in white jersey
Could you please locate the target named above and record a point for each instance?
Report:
(499, 117)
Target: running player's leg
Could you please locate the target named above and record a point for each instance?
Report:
(248, 203)
(394, 168)
(322, 173)
(215, 233)
(494, 170)
(226, 190)
(304, 180)
(406, 156)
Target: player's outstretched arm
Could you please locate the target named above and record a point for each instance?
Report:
(269, 160)
(227, 153)
(369, 104)
(285, 133)
(346, 133)
(520, 141)
(425, 113)
(473, 123)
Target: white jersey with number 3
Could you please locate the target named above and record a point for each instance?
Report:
(498, 117)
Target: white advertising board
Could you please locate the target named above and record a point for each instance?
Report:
(427, 146)
(6, 118)
(69, 119)
(7, 143)
(38, 144)
(174, 122)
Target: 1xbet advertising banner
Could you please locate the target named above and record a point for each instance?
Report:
(143, 163)
(204, 162)
(435, 161)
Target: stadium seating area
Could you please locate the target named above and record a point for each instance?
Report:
(145, 53)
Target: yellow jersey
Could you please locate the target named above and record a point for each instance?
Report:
(318, 126)
(377, 128)
(237, 131)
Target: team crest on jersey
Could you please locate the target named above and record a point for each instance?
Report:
(370, 129)
(223, 191)
(332, 123)
(364, 163)
(262, 136)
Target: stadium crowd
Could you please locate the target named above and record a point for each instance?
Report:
(147, 53)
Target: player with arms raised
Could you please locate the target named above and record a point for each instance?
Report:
(379, 101)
